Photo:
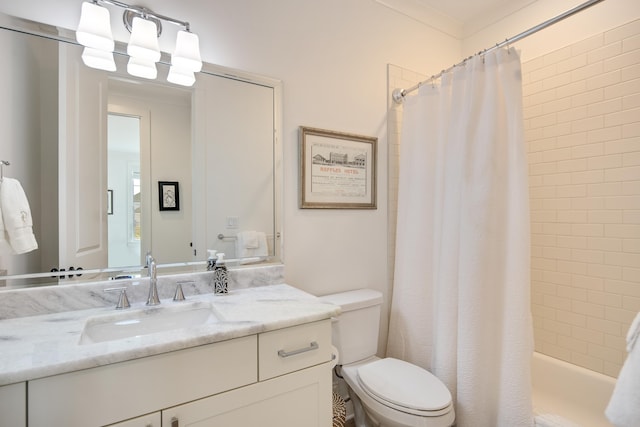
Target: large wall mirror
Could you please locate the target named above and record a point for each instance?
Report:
(115, 167)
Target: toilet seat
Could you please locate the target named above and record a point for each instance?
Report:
(405, 387)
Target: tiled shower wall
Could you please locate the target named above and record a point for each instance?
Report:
(582, 118)
(582, 121)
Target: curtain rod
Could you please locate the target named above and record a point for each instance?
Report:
(399, 94)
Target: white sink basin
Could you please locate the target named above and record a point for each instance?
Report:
(134, 323)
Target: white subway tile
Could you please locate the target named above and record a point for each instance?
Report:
(604, 52)
(630, 73)
(623, 259)
(572, 139)
(577, 321)
(629, 173)
(631, 274)
(619, 90)
(573, 165)
(573, 63)
(556, 277)
(587, 177)
(602, 325)
(604, 189)
(588, 282)
(546, 71)
(597, 95)
(605, 162)
(631, 304)
(626, 145)
(572, 344)
(604, 107)
(603, 80)
(622, 32)
(587, 335)
(575, 88)
(557, 327)
(631, 217)
(588, 256)
(572, 216)
(630, 159)
(631, 101)
(575, 294)
(621, 230)
(604, 243)
(621, 61)
(588, 362)
(578, 242)
(589, 44)
(605, 298)
(605, 134)
(622, 202)
(556, 155)
(605, 271)
(622, 117)
(571, 114)
(573, 267)
(606, 353)
(587, 71)
(631, 130)
(622, 287)
(587, 124)
(588, 309)
(577, 190)
(587, 150)
(622, 315)
(631, 245)
(590, 202)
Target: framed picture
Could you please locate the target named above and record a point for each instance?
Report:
(337, 170)
(109, 202)
(169, 195)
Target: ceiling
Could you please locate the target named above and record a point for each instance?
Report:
(457, 18)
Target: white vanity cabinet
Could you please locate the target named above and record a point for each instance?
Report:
(294, 388)
(13, 405)
(277, 378)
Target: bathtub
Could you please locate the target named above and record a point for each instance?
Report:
(567, 395)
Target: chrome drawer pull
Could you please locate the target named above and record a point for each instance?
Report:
(313, 346)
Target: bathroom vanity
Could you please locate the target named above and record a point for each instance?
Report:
(264, 359)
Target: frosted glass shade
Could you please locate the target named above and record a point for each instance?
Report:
(143, 43)
(94, 29)
(142, 68)
(180, 76)
(187, 53)
(100, 59)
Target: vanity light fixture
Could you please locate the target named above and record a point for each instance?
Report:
(94, 32)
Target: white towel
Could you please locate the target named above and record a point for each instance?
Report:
(251, 244)
(16, 215)
(5, 246)
(624, 407)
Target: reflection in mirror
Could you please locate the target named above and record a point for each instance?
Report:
(124, 208)
(89, 148)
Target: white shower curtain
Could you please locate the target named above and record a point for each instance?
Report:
(461, 302)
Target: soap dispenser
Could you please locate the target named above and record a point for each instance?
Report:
(211, 259)
(220, 281)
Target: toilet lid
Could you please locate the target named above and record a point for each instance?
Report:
(404, 385)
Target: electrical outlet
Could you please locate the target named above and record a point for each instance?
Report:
(232, 222)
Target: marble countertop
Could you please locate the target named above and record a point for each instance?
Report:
(44, 345)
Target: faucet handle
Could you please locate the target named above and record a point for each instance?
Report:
(179, 295)
(123, 300)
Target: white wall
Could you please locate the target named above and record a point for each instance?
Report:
(332, 57)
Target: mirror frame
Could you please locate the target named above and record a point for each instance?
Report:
(63, 35)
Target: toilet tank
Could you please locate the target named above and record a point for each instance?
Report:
(355, 331)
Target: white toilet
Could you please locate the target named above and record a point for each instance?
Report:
(385, 392)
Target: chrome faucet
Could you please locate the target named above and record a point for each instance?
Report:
(153, 281)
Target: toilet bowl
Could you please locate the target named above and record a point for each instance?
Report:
(385, 392)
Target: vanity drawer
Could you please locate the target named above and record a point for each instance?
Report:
(291, 349)
(120, 391)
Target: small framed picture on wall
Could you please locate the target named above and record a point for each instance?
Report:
(169, 195)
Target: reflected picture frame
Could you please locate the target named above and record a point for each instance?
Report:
(169, 195)
(337, 170)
